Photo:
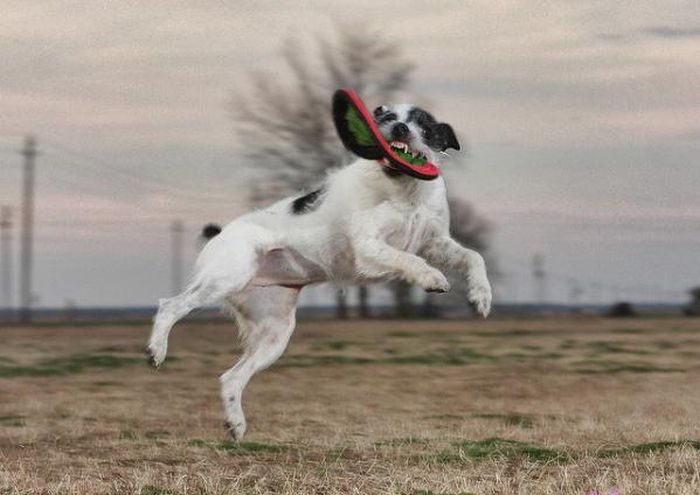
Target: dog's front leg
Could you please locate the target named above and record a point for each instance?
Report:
(377, 259)
(449, 255)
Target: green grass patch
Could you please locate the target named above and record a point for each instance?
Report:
(520, 356)
(156, 434)
(338, 345)
(665, 345)
(603, 368)
(512, 419)
(513, 333)
(148, 435)
(610, 347)
(453, 356)
(128, 435)
(242, 447)
(425, 333)
(500, 448)
(449, 356)
(514, 450)
(76, 363)
(629, 331)
(649, 448)
(568, 344)
(446, 417)
(685, 330)
(12, 421)
(403, 334)
(303, 361)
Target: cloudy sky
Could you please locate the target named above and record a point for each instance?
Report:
(582, 121)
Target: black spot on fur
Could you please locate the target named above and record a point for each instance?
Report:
(211, 230)
(420, 117)
(307, 203)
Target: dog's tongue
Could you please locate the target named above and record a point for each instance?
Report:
(360, 134)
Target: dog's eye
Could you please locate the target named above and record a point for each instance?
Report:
(427, 132)
(387, 117)
(379, 110)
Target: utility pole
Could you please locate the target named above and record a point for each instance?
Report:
(575, 291)
(29, 153)
(6, 256)
(539, 276)
(176, 230)
(596, 293)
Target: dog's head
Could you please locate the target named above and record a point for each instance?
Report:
(412, 130)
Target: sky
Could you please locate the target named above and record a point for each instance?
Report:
(581, 120)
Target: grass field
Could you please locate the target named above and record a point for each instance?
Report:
(552, 406)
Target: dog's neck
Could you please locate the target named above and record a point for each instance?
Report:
(401, 185)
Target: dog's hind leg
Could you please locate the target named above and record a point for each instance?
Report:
(266, 318)
(224, 268)
(170, 310)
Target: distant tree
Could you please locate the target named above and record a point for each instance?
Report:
(285, 120)
(467, 226)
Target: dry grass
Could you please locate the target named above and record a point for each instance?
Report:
(534, 406)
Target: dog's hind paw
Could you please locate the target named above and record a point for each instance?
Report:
(236, 430)
(155, 355)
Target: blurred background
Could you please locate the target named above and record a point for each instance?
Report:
(126, 127)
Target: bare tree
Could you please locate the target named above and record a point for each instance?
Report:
(467, 226)
(286, 122)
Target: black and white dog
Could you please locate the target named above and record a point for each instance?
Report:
(367, 223)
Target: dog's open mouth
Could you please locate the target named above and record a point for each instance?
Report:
(406, 153)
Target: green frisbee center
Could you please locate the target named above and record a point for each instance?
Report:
(406, 155)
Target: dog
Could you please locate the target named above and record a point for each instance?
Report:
(366, 223)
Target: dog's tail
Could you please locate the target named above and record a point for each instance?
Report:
(210, 231)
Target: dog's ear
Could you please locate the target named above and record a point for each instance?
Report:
(446, 136)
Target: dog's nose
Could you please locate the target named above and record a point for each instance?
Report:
(400, 131)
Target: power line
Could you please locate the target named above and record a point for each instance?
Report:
(140, 179)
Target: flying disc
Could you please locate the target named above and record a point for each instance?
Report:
(359, 133)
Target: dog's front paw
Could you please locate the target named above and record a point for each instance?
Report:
(434, 281)
(479, 296)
